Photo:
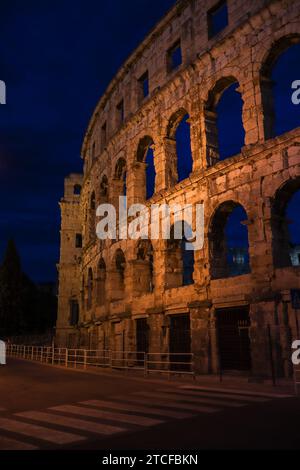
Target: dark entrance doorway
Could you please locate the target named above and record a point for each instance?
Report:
(180, 342)
(234, 343)
(142, 339)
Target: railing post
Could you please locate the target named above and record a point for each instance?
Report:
(66, 357)
(53, 352)
(24, 352)
(84, 358)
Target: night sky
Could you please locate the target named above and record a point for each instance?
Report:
(57, 57)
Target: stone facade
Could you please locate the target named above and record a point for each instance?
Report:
(104, 285)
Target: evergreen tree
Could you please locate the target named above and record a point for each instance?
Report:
(17, 295)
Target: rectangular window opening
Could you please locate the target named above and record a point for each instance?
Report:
(78, 240)
(103, 136)
(144, 86)
(217, 18)
(174, 57)
(120, 112)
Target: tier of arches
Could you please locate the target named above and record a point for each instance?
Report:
(223, 128)
(228, 250)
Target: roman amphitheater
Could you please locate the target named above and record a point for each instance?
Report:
(232, 304)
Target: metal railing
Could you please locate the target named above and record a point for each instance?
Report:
(169, 363)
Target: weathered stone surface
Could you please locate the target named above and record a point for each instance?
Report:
(251, 178)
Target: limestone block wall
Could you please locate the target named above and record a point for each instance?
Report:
(257, 32)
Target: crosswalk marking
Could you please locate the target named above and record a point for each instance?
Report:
(171, 404)
(244, 393)
(125, 418)
(89, 426)
(193, 400)
(180, 402)
(11, 444)
(215, 396)
(39, 432)
(136, 408)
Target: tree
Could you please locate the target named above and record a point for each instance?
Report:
(17, 295)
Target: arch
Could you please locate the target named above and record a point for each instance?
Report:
(144, 268)
(225, 134)
(145, 155)
(82, 292)
(276, 77)
(228, 241)
(101, 282)
(92, 216)
(90, 287)
(180, 261)
(104, 190)
(120, 174)
(178, 147)
(285, 224)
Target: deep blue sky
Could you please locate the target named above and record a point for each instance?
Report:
(57, 58)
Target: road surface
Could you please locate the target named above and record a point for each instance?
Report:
(43, 407)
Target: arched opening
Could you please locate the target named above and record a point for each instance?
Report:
(119, 278)
(286, 225)
(145, 155)
(143, 268)
(92, 216)
(82, 292)
(77, 190)
(180, 260)
(228, 240)
(178, 148)
(103, 199)
(120, 175)
(225, 134)
(90, 289)
(101, 281)
(279, 71)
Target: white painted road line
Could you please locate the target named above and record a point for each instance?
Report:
(74, 423)
(123, 418)
(205, 401)
(236, 391)
(170, 404)
(39, 432)
(12, 444)
(228, 397)
(135, 408)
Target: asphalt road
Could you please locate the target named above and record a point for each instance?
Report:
(42, 407)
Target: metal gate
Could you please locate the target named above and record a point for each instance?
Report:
(180, 342)
(233, 334)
